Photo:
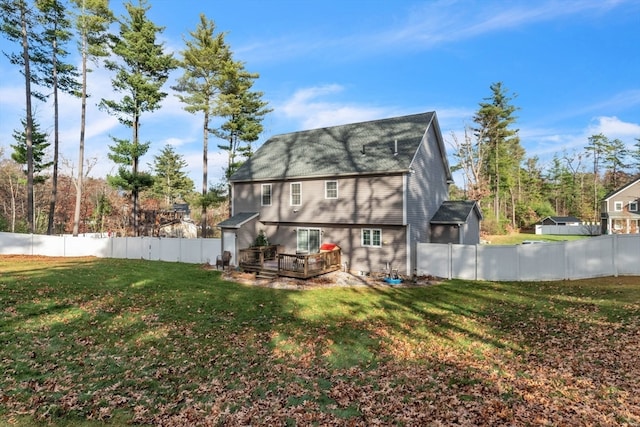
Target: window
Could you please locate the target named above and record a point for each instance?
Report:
(633, 206)
(331, 189)
(296, 194)
(308, 240)
(266, 194)
(371, 237)
(617, 206)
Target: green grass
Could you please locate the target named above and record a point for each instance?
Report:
(86, 342)
(518, 238)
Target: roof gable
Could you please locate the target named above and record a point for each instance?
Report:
(624, 187)
(379, 146)
(455, 212)
(562, 219)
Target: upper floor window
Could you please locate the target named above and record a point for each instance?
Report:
(331, 189)
(633, 206)
(617, 206)
(266, 194)
(371, 237)
(296, 194)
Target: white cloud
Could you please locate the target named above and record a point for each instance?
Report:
(612, 128)
(306, 107)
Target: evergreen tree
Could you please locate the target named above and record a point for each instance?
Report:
(504, 153)
(18, 22)
(244, 111)
(55, 75)
(204, 61)
(141, 72)
(597, 149)
(171, 182)
(92, 23)
(615, 158)
(635, 156)
(39, 147)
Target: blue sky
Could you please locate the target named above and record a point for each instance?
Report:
(573, 66)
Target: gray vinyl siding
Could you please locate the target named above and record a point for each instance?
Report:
(361, 200)
(357, 257)
(427, 188)
(471, 231)
(629, 194)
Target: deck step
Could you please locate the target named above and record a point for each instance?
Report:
(267, 274)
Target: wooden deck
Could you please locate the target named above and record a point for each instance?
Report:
(302, 266)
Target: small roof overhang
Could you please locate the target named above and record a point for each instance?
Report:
(238, 220)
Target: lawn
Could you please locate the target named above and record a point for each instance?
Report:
(86, 341)
(518, 238)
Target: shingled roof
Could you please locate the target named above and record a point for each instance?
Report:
(455, 212)
(357, 148)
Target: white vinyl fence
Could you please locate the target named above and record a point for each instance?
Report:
(612, 255)
(570, 230)
(193, 251)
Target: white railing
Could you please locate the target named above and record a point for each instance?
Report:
(194, 251)
(612, 255)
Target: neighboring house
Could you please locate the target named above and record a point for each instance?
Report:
(456, 221)
(561, 220)
(371, 188)
(619, 211)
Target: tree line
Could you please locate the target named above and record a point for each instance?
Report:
(212, 84)
(515, 191)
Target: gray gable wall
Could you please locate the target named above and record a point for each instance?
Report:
(357, 148)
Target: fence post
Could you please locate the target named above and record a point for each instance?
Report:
(450, 263)
(614, 255)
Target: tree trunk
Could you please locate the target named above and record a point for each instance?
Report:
(136, 161)
(56, 131)
(205, 167)
(83, 115)
(29, 129)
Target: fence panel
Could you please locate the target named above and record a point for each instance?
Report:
(542, 261)
(433, 260)
(15, 244)
(592, 257)
(464, 261)
(597, 256)
(497, 262)
(627, 254)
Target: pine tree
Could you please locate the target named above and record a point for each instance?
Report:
(92, 23)
(171, 182)
(244, 111)
(18, 22)
(204, 61)
(55, 75)
(502, 147)
(141, 72)
(40, 143)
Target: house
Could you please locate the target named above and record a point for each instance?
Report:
(561, 220)
(456, 221)
(619, 210)
(371, 188)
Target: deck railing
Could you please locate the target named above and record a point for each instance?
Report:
(290, 265)
(257, 255)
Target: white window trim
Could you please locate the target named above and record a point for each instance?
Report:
(291, 193)
(633, 206)
(270, 195)
(326, 190)
(372, 230)
(617, 206)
